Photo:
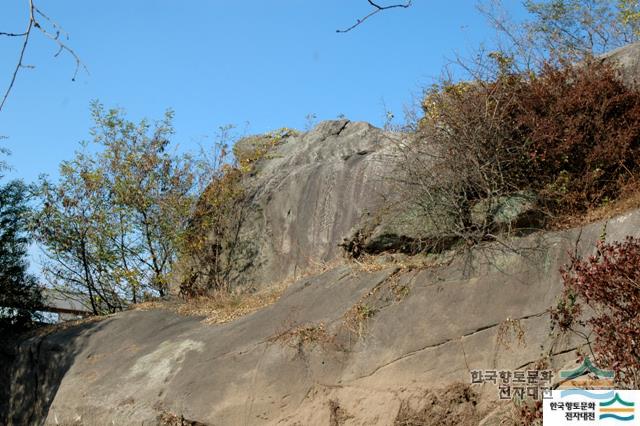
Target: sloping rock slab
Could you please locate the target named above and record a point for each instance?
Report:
(133, 367)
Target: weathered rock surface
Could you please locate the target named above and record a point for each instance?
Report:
(627, 60)
(519, 211)
(316, 189)
(428, 329)
(308, 192)
(402, 228)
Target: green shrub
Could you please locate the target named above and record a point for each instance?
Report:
(213, 234)
(20, 295)
(213, 246)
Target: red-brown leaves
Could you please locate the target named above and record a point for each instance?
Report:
(609, 282)
(584, 123)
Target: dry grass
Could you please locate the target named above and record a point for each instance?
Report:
(453, 406)
(355, 319)
(221, 306)
(167, 418)
(151, 305)
(303, 335)
(52, 328)
(378, 262)
(371, 263)
(389, 291)
(630, 200)
(509, 331)
(317, 267)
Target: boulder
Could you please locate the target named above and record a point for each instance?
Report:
(627, 60)
(505, 214)
(402, 228)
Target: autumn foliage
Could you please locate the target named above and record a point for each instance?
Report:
(212, 235)
(581, 130)
(609, 284)
(568, 133)
(215, 251)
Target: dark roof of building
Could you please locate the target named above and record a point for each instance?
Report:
(66, 302)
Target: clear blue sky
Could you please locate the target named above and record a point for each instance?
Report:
(266, 62)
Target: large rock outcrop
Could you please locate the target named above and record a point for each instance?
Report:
(302, 361)
(336, 185)
(307, 194)
(627, 60)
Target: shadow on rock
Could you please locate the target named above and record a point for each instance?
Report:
(39, 365)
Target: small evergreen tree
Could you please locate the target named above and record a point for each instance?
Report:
(19, 293)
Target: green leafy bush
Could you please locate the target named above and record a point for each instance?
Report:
(111, 223)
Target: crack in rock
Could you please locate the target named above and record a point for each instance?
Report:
(444, 342)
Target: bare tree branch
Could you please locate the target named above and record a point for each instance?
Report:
(19, 65)
(376, 9)
(34, 14)
(12, 34)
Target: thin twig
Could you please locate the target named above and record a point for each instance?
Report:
(26, 36)
(12, 34)
(61, 45)
(377, 9)
(33, 23)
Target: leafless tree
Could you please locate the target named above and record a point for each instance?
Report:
(38, 20)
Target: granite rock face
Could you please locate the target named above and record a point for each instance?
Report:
(335, 187)
(427, 329)
(308, 192)
(627, 60)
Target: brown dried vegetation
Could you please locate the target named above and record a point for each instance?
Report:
(608, 283)
(452, 406)
(304, 335)
(567, 137)
(222, 305)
